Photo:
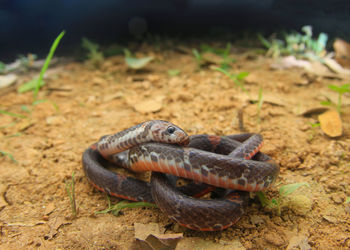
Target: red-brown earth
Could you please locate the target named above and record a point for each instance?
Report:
(84, 103)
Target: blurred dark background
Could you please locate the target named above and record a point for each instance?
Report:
(32, 25)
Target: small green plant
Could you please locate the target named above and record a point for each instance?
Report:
(315, 125)
(345, 88)
(70, 188)
(236, 78)
(223, 53)
(116, 208)
(203, 60)
(297, 44)
(284, 191)
(275, 47)
(36, 84)
(347, 200)
(173, 72)
(136, 63)
(94, 55)
(218, 51)
(13, 135)
(9, 155)
(313, 130)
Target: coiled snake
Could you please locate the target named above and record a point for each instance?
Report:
(229, 162)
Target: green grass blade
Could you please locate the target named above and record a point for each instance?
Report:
(225, 72)
(326, 103)
(89, 45)
(13, 114)
(127, 53)
(290, 188)
(31, 85)
(242, 75)
(196, 54)
(13, 135)
(47, 62)
(8, 155)
(264, 41)
(263, 199)
(115, 209)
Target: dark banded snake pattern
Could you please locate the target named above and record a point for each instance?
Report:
(232, 162)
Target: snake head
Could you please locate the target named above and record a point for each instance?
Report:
(167, 132)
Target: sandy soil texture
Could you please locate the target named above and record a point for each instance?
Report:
(84, 103)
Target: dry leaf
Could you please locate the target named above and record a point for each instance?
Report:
(331, 123)
(149, 236)
(7, 80)
(342, 52)
(275, 99)
(148, 106)
(108, 98)
(319, 69)
(143, 230)
(165, 241)
(336, 67)
(330, 219)
(290, 62)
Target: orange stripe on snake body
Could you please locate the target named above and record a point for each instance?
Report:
(214, 140)
(140, 166)
(222, 182)
(114, 194)
(212, 179)
(182, 172)
(196, 177)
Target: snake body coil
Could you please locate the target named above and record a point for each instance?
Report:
(232, 162)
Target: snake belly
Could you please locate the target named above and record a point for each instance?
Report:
(232, 162)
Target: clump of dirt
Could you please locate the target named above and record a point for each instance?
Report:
(83, 103)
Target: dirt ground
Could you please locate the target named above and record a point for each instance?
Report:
(84, 103)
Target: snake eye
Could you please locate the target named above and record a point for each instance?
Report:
(171, 129)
